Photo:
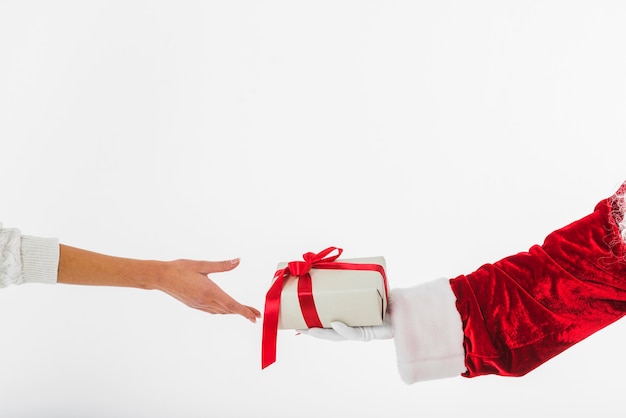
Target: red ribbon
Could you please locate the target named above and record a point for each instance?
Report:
(301, 269)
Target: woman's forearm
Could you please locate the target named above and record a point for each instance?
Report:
(78, 266)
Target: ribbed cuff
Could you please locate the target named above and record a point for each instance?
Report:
(40, 259)
(428, 332)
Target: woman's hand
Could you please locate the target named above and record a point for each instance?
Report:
(189, 282)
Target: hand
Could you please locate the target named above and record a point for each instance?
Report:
(188, 281)
(343, 332)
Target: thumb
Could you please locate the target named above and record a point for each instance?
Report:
(207, 267)
(349, 333)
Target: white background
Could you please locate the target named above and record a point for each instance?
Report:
(439, 134)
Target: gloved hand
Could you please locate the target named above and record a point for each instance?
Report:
(342, 332)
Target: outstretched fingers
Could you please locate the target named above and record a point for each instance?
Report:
(189, 282)
(227, 305)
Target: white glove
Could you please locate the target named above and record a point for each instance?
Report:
(342, 332)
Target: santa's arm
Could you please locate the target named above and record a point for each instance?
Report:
(509, 317)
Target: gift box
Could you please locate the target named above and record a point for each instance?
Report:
(320, 289)
(354, 297)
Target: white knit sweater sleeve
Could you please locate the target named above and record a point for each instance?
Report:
(27, 259)
(428, 332)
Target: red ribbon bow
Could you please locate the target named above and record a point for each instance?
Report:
(301, 269)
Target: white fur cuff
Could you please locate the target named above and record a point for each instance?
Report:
(428, 332)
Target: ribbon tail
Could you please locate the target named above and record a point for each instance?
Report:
(270, 323)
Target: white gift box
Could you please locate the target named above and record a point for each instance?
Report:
(354, 297)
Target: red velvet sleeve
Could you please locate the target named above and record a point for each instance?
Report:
(523, 310)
